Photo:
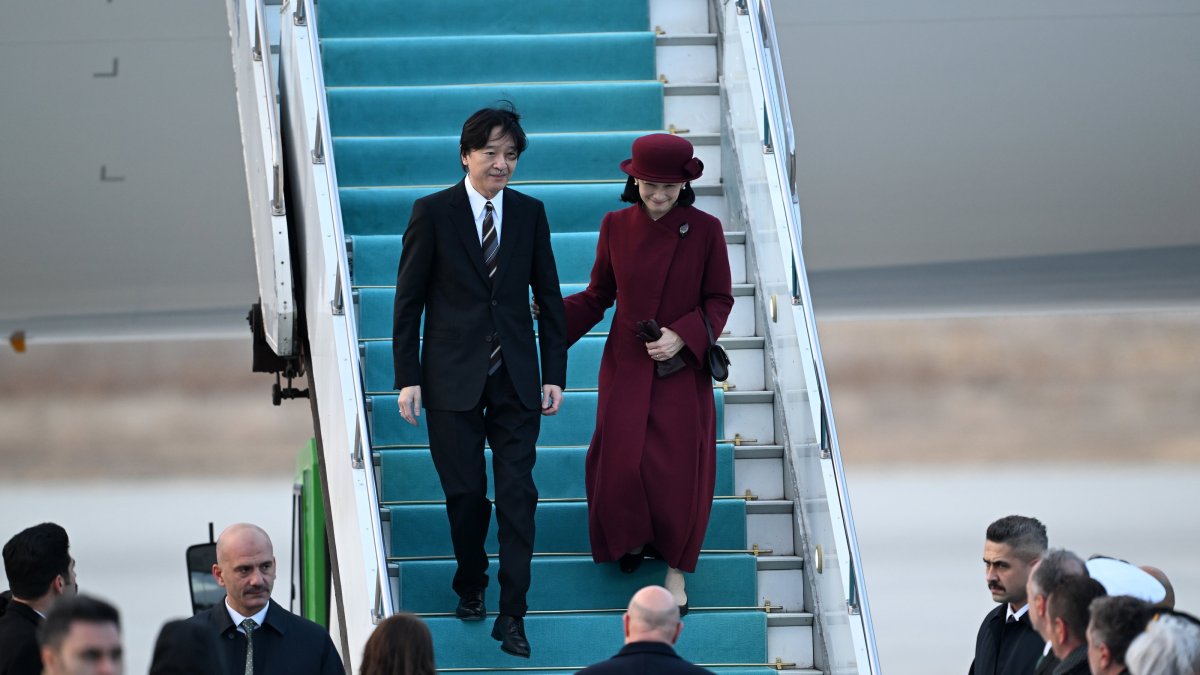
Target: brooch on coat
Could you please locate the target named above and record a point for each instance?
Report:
(683, 230)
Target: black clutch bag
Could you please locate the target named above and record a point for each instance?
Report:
(649, 331)
(718, 360)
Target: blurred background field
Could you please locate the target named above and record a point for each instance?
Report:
(1066, 388)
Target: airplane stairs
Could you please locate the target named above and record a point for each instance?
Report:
(588, 78)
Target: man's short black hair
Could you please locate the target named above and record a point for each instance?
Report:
(69, 610)
(478, 128)
(687, 196)
(34, 557)
(1026, 536)
(1071, 603)
(1116, 621)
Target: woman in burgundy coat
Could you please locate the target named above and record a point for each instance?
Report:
(651, 465)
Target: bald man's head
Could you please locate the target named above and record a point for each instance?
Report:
(1168, 601)
(245, 567)
(653, 616)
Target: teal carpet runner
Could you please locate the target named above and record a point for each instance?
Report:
(401, 77)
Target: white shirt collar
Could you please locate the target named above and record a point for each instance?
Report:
(258, 617)
(478, 202)
(1019, 613)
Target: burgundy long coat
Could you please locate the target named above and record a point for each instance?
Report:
(651, 465)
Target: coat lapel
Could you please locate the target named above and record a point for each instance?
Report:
(511, 230)
(463, 222)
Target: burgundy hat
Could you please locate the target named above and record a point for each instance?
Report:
(663, 158)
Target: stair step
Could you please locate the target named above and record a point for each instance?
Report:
(419, 161)
(375, 305)
(422, 531)
(725, 580)
(408, 474)
(545, 108)
(695, 108)
(433, 60)
(570, 642)
(375, 258)
(570, 207)
(365, 18)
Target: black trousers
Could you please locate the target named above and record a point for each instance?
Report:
(456, 443)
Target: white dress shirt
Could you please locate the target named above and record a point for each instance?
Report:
(479, 210)
(258, 617)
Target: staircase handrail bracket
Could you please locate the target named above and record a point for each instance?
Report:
(762, 156)
(362, 586)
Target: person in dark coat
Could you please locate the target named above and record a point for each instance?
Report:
(472, 253)
(256, 634)
(1007, 644)
(651, 465)
(187, 648)
(652, 627)
(40, 571)
(1045, 576)
(1069, 613)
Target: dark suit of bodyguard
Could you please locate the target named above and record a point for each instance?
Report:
(471, 254)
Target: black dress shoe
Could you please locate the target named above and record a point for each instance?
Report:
(470, 606)
(630, 562)
(510, 631)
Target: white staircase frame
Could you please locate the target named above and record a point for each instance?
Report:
(361, 589)
(263, 154)
(758, 152)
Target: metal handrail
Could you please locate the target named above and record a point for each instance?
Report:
(763, 28)
(261, 41)
(307, 20)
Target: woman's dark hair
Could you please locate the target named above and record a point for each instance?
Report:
(400, 645)
(478, 128)
(687, 196)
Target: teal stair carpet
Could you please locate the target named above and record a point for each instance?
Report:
(401, 78)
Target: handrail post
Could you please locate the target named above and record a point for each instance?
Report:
(300, 16)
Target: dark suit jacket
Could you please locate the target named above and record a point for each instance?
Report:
(285, 644)
(1006, 649)
(19, 653)
(645, 657)
(442, 274)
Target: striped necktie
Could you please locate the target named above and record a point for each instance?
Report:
(491, 246)
(249, 625)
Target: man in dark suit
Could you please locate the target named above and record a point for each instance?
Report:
(1045, 576)
(82, 636)
(40, 570)
(1069, 612)
(471, 255)
(652, 627)
(257, 636)
(1007, 644)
